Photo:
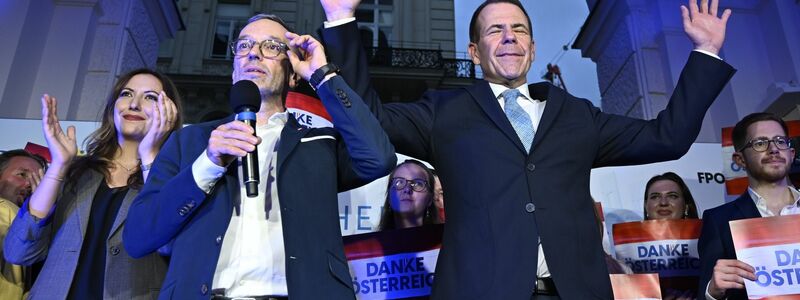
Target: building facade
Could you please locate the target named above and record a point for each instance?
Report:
(640, 48)
(75, 50)
(415, 36)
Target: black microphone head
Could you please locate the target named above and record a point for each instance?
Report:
(245, 96)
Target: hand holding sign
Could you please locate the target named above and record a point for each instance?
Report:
(729, 274)
(769, 250)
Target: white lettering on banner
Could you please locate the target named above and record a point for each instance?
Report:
(394, 276)
(777, 270)
(309, 119)
(668, 258)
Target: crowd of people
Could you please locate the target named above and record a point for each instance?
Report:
(157, 210)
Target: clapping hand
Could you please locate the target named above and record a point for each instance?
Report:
(63, 145)
(162, 121)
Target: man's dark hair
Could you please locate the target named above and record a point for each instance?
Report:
(285, 64)
(6, 157)
(740, 130)
(474, 31)
(270, 17)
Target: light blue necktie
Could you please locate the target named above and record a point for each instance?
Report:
(519, 119)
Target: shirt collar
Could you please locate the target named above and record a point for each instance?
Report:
(761, 204)
(498, 89)
(277, 119)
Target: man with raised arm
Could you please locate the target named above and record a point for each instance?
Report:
(517, 157)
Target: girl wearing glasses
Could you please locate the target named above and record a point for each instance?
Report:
(409, 197)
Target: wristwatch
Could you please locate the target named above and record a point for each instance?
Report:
(319, 74)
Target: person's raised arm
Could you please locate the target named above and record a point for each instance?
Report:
(63, 149)
(704, 28)
(368, 154)
(336, 10)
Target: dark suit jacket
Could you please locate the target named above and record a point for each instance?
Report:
(57, 240)
(309, 174)
(716, 241)
(504, 199)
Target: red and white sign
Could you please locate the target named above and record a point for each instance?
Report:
(666, 247)
(635, 286)
(308, 110)
(771, 246)
(394, 264)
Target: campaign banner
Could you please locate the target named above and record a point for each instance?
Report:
(772, 246)
(735, 177)
(394, 264)
(666, 247)
(308, 110)
(635, 286)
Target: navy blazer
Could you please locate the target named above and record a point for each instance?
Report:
(716, 241)
(310, 172)
(502, 200)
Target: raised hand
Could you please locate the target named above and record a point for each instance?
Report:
(729, 274)
(162, 121)
(339, 9)
(229, 141)
(704, 28)
(63, 146)
(313, 54)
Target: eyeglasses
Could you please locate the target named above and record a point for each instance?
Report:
(418, 185)
(269, 48)
(761, 145)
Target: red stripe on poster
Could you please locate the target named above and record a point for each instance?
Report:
(645, 231)
(390, 242)
(736, 186)
(307, 103)
(635, 286)
(758, 232)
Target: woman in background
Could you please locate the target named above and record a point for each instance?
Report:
(666, 197)
(73, 220)
(409, 197)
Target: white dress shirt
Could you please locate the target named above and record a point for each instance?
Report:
(252, 258)
(534, 108)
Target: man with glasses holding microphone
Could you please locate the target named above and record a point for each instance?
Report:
(764, 151)
(228, 243)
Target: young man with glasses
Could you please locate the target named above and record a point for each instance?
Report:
(285, 241)
(764, 151)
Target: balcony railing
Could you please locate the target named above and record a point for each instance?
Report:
(420, 58)
(385, 57)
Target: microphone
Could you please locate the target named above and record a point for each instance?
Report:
(245, 101)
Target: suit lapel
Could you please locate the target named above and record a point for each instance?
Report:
(290, 136)
(87, 187)
(555, 100)
(485, 98)
(122, 214)
(747, 207)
